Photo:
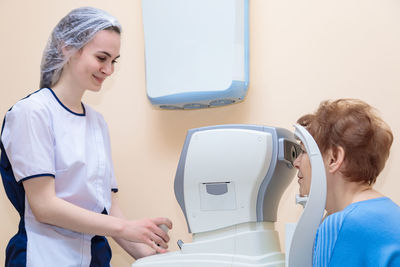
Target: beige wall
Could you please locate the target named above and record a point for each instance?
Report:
(302, 52)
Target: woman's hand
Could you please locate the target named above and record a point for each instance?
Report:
(140, 231)
(147, 231)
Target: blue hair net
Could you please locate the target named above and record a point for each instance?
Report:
(73, 31)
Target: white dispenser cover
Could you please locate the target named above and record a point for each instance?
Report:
(196, 52)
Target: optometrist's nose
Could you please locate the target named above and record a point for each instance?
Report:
(107, 69)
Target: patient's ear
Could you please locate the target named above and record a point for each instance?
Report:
(334, 159)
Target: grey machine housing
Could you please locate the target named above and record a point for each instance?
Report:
(285, 149)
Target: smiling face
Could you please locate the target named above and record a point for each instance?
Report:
(302, 163)
(92, 64)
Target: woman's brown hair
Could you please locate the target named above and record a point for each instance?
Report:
(355, 126)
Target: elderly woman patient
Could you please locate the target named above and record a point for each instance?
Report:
(362, 226)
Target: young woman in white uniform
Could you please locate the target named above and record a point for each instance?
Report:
(56, 161)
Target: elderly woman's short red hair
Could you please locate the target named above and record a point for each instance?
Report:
(355, 126)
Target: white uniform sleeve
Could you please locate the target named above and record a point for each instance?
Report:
(28, 141)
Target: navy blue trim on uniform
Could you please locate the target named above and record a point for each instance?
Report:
(16, 248)
(100, 250)
(4, 122)
(37, 175)
(58, 100)
(14, 191)
(114, 190)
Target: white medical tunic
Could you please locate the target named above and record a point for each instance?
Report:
(42, 137)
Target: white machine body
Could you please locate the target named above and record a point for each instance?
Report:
(248, 244)
(229, 181)
(223, 172)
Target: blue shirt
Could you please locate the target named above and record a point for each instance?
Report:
(365, 233)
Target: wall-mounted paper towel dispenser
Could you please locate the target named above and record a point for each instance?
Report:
(196, 52)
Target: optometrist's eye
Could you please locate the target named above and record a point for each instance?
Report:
(102, 59)
(114, 61)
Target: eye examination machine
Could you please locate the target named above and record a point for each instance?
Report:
(229, 182)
